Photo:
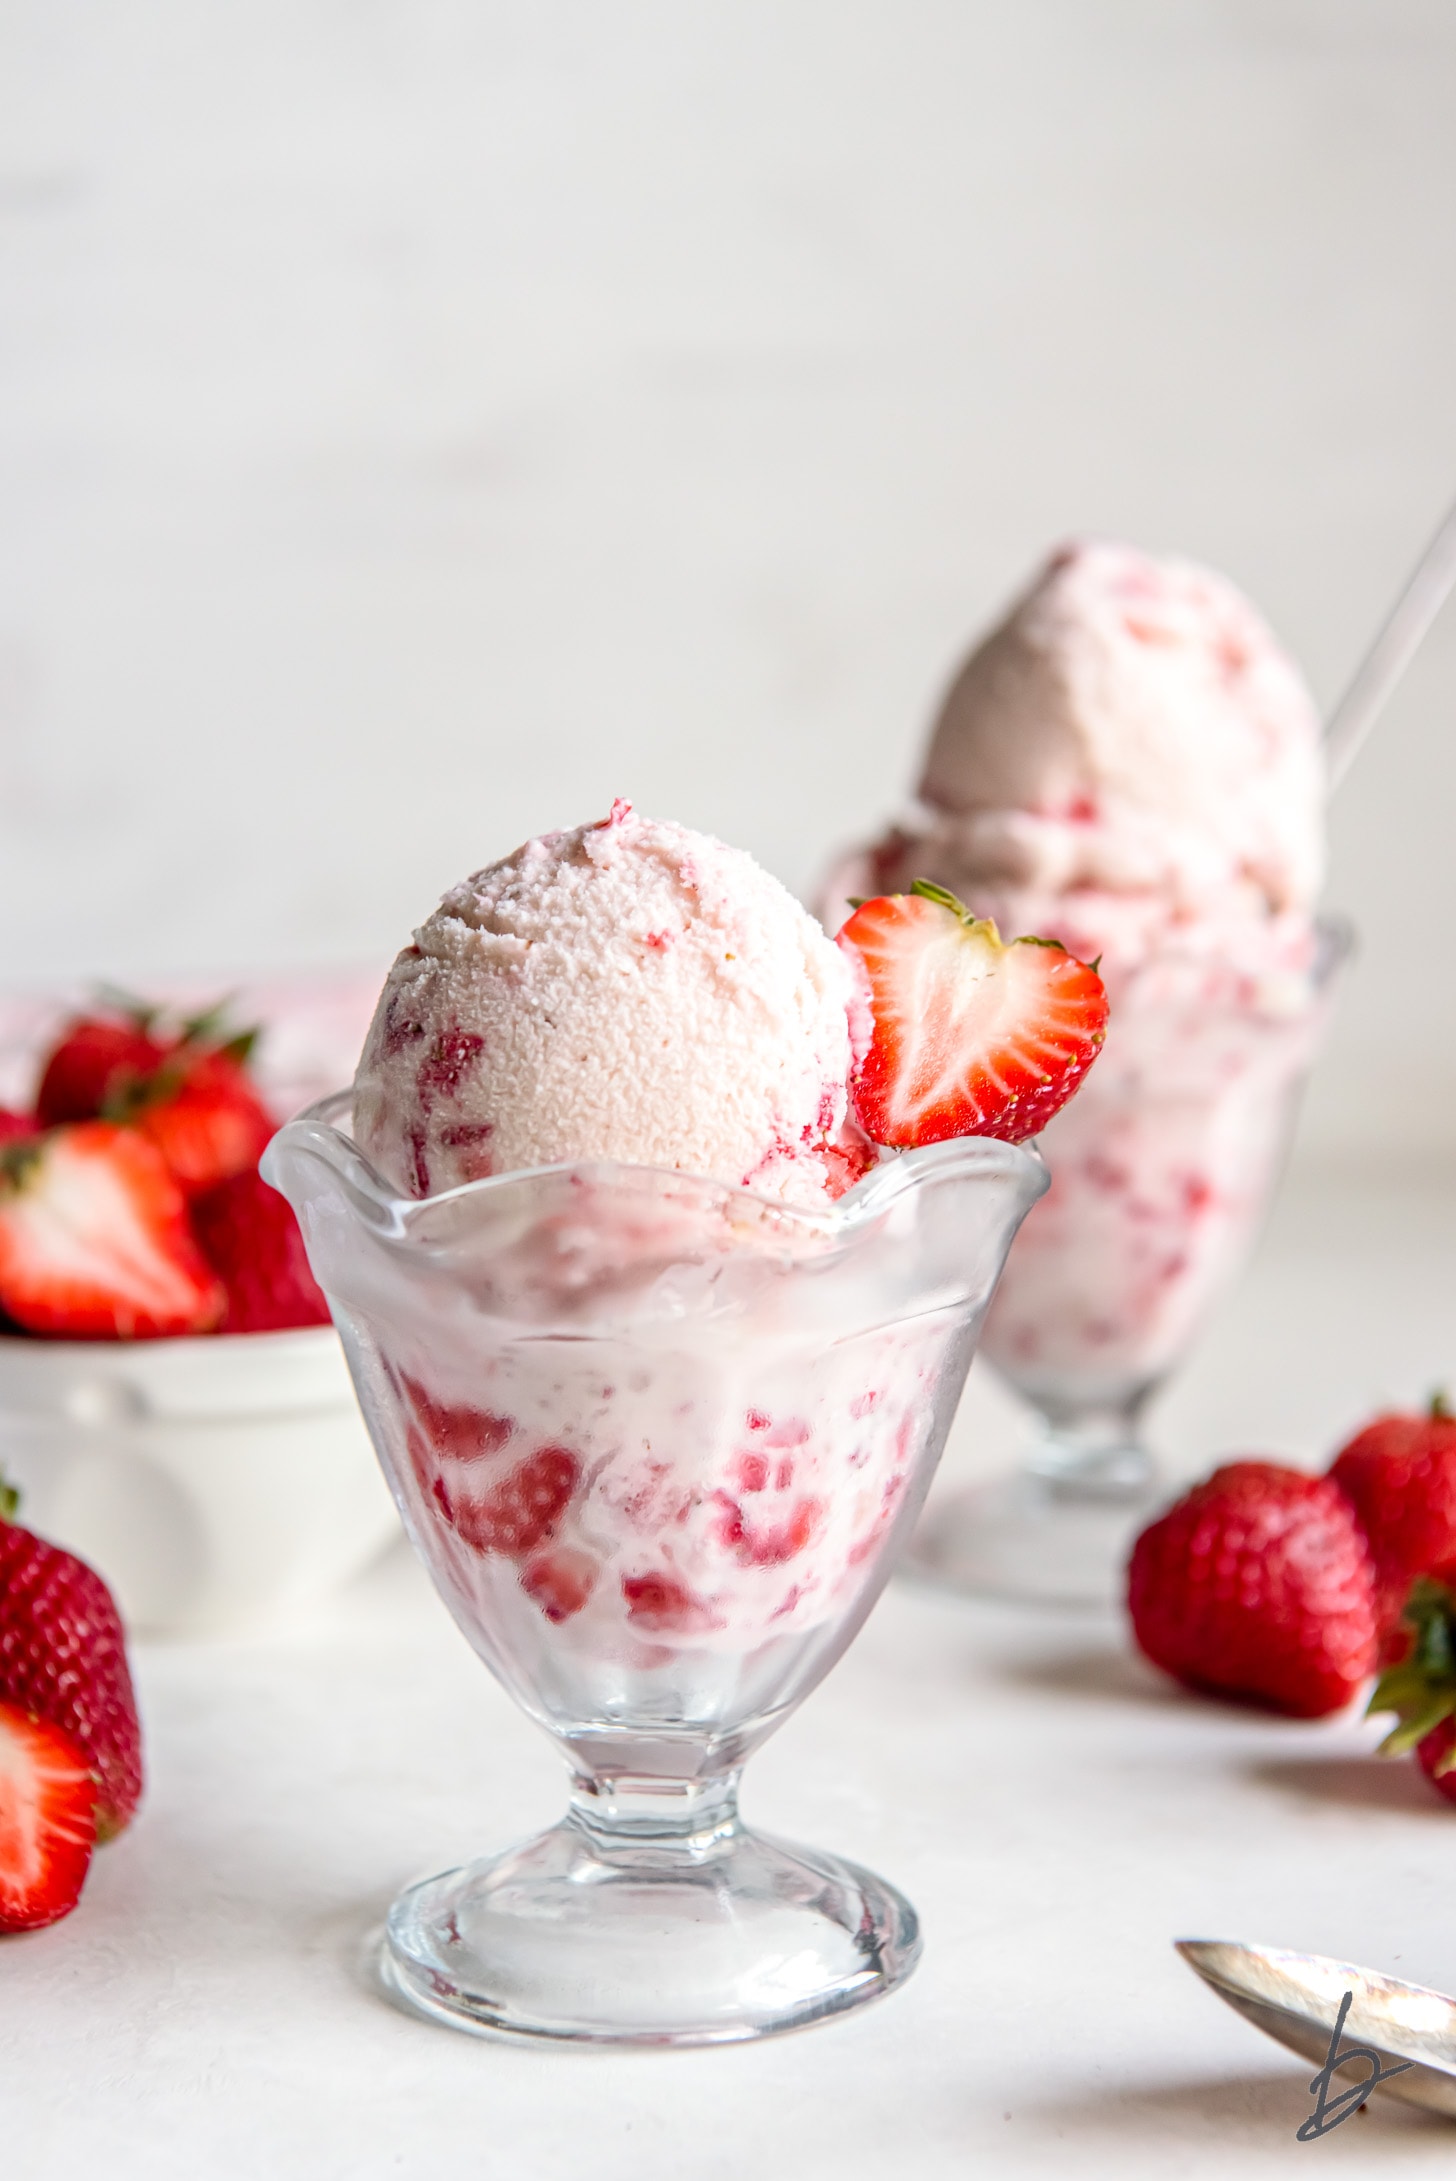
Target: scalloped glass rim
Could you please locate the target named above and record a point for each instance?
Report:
(317, 1132)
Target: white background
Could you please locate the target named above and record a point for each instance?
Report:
(420, 422)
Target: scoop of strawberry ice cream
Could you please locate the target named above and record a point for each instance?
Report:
(629, 990)
(1129, 746)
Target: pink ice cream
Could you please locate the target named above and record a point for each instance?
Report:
(630, 1429)
(1129, 750)
(1129, 763)
(629, 991)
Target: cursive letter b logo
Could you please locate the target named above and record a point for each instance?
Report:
(1329, 2112)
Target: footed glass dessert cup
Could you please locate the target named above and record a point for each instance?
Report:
(1162, 1168)
(656, 1441)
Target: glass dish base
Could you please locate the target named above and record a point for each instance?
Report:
(566, 1940)
(1045, 1540)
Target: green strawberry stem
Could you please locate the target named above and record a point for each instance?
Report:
(132, 1094)
(944, 899)
(9, 1499)
(118, 1001)
(929, 891)
(1421, 1690)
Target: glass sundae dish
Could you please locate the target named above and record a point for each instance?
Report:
(658, 1347)
(656, 1441)
(1162, 1173)
(1129, 763)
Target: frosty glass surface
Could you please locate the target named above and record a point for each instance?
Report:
(1162, 1171)
(656, 1441)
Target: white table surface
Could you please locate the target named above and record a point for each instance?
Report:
(1055, 1811)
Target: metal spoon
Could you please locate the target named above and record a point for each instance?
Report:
(1296, 1998)
(1391, 653)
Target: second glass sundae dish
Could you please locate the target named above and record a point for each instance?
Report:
(659, 1348)
(1130, 763)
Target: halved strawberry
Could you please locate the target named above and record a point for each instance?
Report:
(47, 1822)
(95, 1241)
(972, 1036)
(63, 1658)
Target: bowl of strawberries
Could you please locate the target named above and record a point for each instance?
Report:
(174, 1402)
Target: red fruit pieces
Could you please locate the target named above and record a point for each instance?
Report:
(1434, 1753)
(212, 1126)
(523, 1510)
(17, 1127)
(63, 1659)
(561, 1579)
(972, 1037)
(96, 1058)
(1421, 1688)
(766, 1540)
(184, 1087)
(95, 1241)
(787, 1431)
(252, 1241)
(47, 1822)
(456, 1431)
(1258, 1586)
(1400, 1476)
(1435, 1758)
(662, 1605)
(445, 1066)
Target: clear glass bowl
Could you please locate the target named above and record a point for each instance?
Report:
(1162, 1171)
(656, 1441)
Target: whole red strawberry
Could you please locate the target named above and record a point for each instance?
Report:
(1421, 1690)
(96, 1056)
(251, 1239)
(63, 1659)
(204, 1116)
(1258, 1586)
(1400, 1474)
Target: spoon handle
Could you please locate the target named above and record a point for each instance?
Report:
(1391, 653)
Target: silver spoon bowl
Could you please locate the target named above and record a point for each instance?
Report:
(1296, 1999)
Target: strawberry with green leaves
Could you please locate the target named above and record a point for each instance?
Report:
(1399, 1474)
(1421, 1690)
(973, 1036)
(183, 1085)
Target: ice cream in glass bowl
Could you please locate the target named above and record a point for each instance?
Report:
(658, 1352)
(1130, 763)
